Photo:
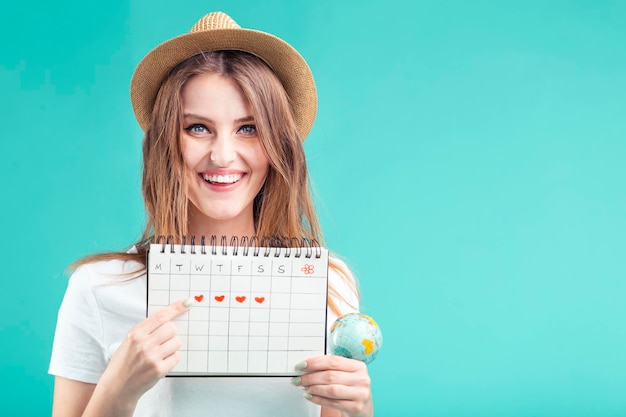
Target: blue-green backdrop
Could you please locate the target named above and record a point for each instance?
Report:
(468, 160)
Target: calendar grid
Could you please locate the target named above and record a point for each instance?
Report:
(253, 315)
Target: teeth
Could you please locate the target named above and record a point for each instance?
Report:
(222, 179)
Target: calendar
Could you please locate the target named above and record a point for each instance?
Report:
(258, 311)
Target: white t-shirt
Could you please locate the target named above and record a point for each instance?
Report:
(101, 305)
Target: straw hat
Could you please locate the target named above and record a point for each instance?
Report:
(217, 31)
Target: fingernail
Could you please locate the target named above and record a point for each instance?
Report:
(307, 395)
(296, 381)
(301, 366)
(188, 302)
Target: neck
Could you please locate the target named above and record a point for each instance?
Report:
(200, 225)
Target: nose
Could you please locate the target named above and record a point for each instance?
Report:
(222, 151)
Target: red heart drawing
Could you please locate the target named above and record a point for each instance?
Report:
(241, 299)
(259, 299)
(199, 297)
(219, 298)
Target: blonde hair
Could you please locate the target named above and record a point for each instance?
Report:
(282, 208)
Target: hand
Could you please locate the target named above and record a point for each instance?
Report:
(149, 351)
(337, 382)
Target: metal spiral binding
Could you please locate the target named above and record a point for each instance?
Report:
(280, 245)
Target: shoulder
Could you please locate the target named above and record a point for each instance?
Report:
(108, 290)
(343, 286)
(93, 317)
(340, 272)
(99, 275)
(103, 272)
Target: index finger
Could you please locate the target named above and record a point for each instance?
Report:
(330, 362)
(169, 313)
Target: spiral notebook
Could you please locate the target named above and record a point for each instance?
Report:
(258, 310)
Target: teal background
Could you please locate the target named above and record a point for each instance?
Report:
(467, 161)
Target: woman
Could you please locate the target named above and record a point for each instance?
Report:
(224, 111)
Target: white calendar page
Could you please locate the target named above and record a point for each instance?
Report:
(256, 313)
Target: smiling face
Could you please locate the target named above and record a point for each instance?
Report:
(225, 164)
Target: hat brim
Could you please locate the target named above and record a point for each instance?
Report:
(282, 58)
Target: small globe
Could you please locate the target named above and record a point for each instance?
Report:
(355, 336)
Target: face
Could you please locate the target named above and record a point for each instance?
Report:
(224, 161)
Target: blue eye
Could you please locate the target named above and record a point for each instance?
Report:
(248, 129)
(197, 129)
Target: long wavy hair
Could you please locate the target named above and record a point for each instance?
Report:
(283, 206)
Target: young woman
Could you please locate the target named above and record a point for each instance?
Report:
(225, 111)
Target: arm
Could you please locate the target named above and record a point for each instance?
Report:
(70, 397)
(76, 399)
(344, 284)
(148, 352)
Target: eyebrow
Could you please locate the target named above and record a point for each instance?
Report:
(240, 120)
